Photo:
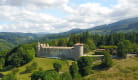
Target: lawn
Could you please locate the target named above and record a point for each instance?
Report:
(44, 64)
(125, 69)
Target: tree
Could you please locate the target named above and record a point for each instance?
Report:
(57, 66)
(45, 75)
(124, 47)
(51, 75)
(66, 76)
(107, 60)
(90, 43)
(38, 75)
(62, 42)
(86, 48)
(20, 55)
(74, 70)
(85, 65)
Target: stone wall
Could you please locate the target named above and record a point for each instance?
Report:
(62, 52)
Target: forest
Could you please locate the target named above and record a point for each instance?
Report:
(119, 44)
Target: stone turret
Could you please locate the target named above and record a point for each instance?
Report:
(38, 48)
(78, 49)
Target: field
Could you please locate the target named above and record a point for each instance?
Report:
(125, 69)
(44, 64)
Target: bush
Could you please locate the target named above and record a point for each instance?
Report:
(51, 75)
(66, 76)
(85, 65)
(73, 69)
(107, 60)
(57, 66)
(38, 75)
(45, 75)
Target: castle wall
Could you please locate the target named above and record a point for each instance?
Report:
(61, 52)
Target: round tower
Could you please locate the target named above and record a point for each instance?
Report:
(38, 48)
(78, 50)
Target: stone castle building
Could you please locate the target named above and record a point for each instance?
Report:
(44, 50)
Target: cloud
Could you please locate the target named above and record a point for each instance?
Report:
(32, 16)
(38, 3)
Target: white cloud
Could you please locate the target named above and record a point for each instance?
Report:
(38, 3)
(26, 15)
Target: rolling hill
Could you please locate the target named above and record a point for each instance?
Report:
(126, 25)
(9, 40)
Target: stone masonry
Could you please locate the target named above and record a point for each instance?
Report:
(44, 50)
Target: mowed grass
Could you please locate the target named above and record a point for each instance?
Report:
(125, 69)
(44, 64)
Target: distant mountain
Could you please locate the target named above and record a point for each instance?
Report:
(73, 31)
(9, 40)
(127, 25)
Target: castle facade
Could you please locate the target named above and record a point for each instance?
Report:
(44, 50)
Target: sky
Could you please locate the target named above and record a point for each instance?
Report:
(54, 16)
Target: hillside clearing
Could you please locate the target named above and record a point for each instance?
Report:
(44, 64)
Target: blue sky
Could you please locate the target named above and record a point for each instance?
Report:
(55, 16)
(59, 13)
(107, 3)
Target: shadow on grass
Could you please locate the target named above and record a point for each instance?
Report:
(24, 72)
(100, 67)
(6, 68)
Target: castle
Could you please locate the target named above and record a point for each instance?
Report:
(44, 50)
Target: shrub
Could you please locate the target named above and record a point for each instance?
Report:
(45, 75)
(51, 75)
(85, 65)
(57, 66)
(107, 60)
(66, 76)
(73, 69)
(38, 75)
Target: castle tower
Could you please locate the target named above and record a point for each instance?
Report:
(78, 50)
(38, 48)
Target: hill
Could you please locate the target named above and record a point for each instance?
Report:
(125, 69)
(12, 39)
(43, 63)
(121, 70)
(126, 25)
(9, 40)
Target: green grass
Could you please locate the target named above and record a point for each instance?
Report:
(125, 69)
(44, 64)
